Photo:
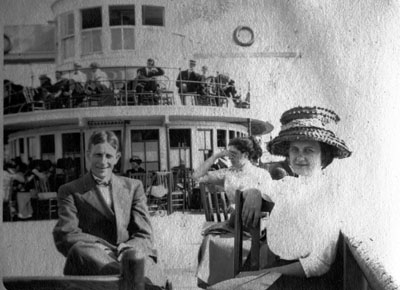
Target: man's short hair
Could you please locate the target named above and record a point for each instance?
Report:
(150, 60)
(100, 137)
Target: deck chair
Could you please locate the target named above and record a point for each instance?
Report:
(30, 102)
(254, 264)
(10, 204)
(214, 203)
(46, 199)
(140, 176)
(165, 179)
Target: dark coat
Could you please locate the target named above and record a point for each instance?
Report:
(185, 76)
(85, 216)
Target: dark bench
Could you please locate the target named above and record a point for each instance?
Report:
(70, 283)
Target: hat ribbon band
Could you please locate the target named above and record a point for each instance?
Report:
(301, 123)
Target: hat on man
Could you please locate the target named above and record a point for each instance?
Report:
(135, 159)
(44, 77)
(308, 124)
(77, 65)
(192, 62)
(94, 65)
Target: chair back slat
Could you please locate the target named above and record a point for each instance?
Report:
(211, 198)
(214, 194)
(238, 243)
(224, 206)
(165, 178)
(143, 177)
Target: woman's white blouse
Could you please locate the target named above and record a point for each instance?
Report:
(249, 176)
(304, 223)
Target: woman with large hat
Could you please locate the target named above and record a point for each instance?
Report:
(303, 228)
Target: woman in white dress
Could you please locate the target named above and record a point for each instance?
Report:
(303, 228)
(242, 175)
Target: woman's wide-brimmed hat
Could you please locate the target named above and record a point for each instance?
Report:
(308, 124)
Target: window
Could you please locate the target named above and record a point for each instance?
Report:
(122, 20)
(91, 30)
(47, 146)
(21, 145)
(204, 143)
(153, 15)
(221, 138)
(67, 35)
(231, 135)
(91, 18)
(71, 144)
(145, 145)
(32, 145)
(179, 153)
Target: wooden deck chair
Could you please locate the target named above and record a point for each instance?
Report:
(30, 102)
(165, 179)
(214, 203)
(142, 177)
(46, 199)
(9, 200)
(254, 232)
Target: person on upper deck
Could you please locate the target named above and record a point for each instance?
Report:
(78, 76)
(303, 228)
(145, 77)
(99, 77)
(188, 80)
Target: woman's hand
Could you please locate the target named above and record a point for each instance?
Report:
(251, 211)
(221, 154)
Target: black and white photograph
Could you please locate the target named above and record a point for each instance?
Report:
(200, 144)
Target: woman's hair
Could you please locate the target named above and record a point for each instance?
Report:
(326, 154)
(249, 145)
(104, 137)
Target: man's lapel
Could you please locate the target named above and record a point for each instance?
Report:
(122, 202)
(92, 195)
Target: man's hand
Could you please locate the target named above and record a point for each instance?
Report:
(120, 250)
(251, 211)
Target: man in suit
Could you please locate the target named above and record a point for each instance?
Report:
(188, 81)
(145, 77)
(104, 225)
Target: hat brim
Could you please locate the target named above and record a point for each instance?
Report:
(280, 144)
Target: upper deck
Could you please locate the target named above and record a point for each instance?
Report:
(116, 98)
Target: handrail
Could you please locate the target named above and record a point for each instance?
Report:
(121, 92)
(372, 270)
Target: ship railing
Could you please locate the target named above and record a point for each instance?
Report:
(122, 89)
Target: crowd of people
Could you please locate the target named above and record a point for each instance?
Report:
(104, 226)
(22, 183)
(76, 88)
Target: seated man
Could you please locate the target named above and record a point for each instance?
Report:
(98, 80)
(188, 81)
(145, 77)
(135, 162)
(104, 226)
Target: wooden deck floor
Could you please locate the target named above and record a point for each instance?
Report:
(28, 248)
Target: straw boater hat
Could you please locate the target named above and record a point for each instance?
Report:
(308, 123)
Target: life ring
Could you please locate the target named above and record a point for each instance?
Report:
(239, 40)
